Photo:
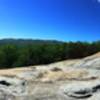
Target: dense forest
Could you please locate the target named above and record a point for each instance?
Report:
(18, 53)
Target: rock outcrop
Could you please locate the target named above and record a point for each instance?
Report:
(67, 80)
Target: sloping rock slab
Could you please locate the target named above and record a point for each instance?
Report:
(81, 90)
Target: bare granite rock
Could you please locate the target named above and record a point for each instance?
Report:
(67, 80)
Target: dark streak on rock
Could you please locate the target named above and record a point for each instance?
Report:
(3, 82)
(81, 97)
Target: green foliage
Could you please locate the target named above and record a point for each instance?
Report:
(27, 54)
(8, 55)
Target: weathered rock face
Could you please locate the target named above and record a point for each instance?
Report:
(67, 80)
(81, 90)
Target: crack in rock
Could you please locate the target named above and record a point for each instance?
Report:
(81, 90)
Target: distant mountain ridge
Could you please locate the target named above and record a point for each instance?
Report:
(28, 41)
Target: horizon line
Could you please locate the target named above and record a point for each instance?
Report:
(13, 38)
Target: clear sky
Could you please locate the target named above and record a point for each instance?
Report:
(67, 20)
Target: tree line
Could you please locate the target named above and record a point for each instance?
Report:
(12, 55)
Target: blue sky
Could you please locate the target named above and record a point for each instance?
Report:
(66, 20)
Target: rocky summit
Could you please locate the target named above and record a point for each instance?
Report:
(77, 79)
